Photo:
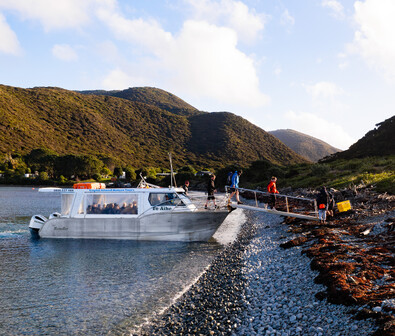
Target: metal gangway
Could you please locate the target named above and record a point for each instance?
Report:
(290, 206)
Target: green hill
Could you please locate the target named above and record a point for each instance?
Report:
(151, 96)
(377, 142)
(137, 133)
(305, 145)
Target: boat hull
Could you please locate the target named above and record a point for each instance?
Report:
(173, 226)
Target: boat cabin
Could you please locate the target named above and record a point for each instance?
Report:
(84, 202)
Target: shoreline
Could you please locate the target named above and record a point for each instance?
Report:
(238, 296)
(214, 303)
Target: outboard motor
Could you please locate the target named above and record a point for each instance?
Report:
(54, 215)
(36, 223)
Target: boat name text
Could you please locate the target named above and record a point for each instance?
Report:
(161, 208)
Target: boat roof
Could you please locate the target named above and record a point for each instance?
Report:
(114, 190)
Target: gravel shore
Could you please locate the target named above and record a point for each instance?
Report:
(254, 287)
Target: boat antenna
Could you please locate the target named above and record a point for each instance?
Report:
(172, 177)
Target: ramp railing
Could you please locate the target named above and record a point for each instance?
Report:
(285, 205)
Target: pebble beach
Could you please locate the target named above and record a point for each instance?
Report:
(255, 287)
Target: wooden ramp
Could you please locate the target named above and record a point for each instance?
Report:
(291, 206)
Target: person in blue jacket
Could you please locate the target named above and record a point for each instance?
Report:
(234, 187)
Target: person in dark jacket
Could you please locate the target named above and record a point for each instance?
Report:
(322, 203)
(332, 202)
(210, 191)
(186, 187)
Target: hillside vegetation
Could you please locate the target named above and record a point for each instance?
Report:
(377, 142)
(136, 133)
(151, 96)
(369, 162)
(305, 145)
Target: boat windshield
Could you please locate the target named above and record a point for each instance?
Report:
(107, 204)
(171, 199)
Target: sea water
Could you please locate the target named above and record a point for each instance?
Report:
(89, 287)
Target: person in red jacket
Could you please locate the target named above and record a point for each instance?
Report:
(272, 189)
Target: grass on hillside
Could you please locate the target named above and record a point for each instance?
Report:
(378, 172)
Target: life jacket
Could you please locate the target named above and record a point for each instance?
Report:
(271, 188)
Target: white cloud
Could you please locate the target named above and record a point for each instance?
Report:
(287, 19)
(337, 9)
(206, 59)
(319, 128)
(201, 59)
(374, 37)
(229, 13)
(9, 43)
(148, 34)
(64, 52)
(327, 90)
(117, 80)
(55, 14)
(278, 70)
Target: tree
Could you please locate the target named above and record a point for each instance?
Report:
(91, 166)
(105, 171)
(41, 159)
(83, 166)
(110, 162)
(188, 169)
(43, 176)
(130, 174)
(118, 172)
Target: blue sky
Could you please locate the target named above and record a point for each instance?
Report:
(322, 67)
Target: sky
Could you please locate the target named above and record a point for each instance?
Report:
(325, 68)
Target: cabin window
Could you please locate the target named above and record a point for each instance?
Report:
(106, 204)
(164, 199)
(67, 201)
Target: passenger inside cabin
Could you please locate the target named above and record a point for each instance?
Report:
(93, 208)
(134, 208)
(126, 209)
(106, 209)
(155, 199)
(123, 208)
(89, 209)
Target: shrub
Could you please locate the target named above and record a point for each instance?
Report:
(320, 169)
(97, 177)
(43, 176)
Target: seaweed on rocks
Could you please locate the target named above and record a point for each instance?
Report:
(354, 253)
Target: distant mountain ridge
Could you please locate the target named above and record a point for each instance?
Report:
(138, 132)
(305, 145)
(377, 142)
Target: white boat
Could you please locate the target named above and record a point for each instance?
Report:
(145, 213)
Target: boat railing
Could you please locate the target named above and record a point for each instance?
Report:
(283, 203)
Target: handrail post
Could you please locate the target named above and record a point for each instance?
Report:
(286, 201)
(256, 201)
